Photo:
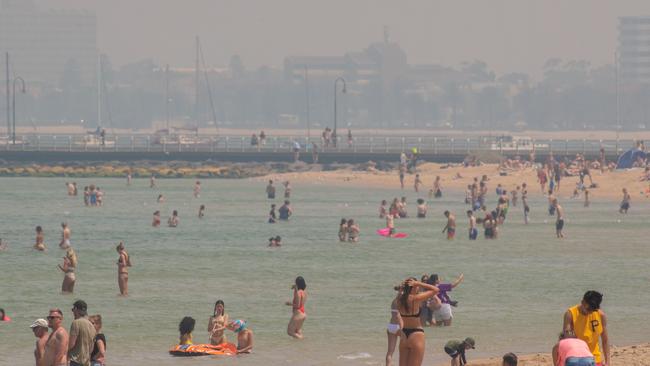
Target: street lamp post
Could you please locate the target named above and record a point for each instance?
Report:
(13, 104)
(335, 105)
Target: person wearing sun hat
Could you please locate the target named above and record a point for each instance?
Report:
(456, 350)
(39, 327)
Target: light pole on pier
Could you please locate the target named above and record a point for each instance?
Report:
(344, 90)
(13, 104)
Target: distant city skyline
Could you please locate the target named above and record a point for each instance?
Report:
(510, 35)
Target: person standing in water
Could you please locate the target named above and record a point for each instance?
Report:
(382, 209)
(285, 211)
(123, 264)
(390, 224)
(294, 329)
(524, 201)
(173, 220)
(217, 324)
(98, 354)
(65, 236)
(586, 204)
(197, 189)
(156, 219)
(40, 330)
(272, 216)
(422, 209)
(394, 328)
(244, 336)
(270, 190)
(68, 268)
(56, 347)
(287, 190)
(412, 340)
(40, 240)
(589, 323)
(128, 178)
(625, 203)
(152, 181)
(201, 211)
(437, 189)
(559, 222)
(450, 228)
(353, 231)
(185, 329)
(417, 183)
(343, 230)
(473, 231)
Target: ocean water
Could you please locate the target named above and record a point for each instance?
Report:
(515, 291)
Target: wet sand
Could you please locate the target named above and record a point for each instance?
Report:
(638, 355)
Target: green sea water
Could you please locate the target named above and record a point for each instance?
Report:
(515, 291)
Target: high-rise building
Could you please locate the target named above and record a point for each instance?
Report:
(634, 49)
(49, 46)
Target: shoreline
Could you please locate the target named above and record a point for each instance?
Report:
(377, 175)
(630, 355)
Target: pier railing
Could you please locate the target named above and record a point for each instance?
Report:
(432, 145)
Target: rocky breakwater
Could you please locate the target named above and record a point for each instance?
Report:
(173, 169)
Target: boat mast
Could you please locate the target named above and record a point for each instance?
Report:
(8, 96)
(196, 82)
(99, 90)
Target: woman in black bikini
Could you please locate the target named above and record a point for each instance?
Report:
(411, 346)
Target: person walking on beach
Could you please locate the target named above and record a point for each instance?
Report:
(68, 268)
(40, 240)
(296, 151)
(98, 354)
(402, 172)
(559, 222)
(450, 228)
(542, 178)
(294, 329)
(394, 328)
(40, 329)
(571, 351)
(82, 335)
(56, 347)
(473, 231)
(270, 190)
(123, 264)
(217, 324)
(65, 236)
(625, 203)
(589, 323)
(456, 350)
(412, 340)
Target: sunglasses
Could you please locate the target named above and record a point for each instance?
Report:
(53, 317)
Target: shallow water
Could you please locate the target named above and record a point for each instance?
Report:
(513, 298)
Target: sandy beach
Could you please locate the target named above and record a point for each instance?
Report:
(609, 183)
(638, 355)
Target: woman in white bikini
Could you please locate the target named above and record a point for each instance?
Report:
(394, 328)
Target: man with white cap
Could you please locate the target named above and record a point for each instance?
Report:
(39, 327)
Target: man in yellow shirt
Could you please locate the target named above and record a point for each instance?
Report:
(589, 323)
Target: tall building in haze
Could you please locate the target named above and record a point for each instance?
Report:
(46, 46)
(634, 49)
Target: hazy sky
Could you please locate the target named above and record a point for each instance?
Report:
(510, 35)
